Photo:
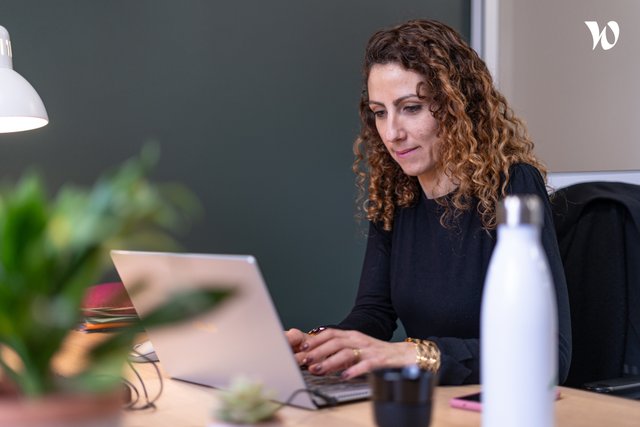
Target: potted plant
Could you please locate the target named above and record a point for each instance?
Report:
(245, 403)
(51, 251)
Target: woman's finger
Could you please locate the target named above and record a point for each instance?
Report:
(358, 369)
(327, 335)
(330, 347)
(296, 338)
(300, 358)
(338, 361)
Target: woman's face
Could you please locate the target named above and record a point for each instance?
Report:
(403, 120)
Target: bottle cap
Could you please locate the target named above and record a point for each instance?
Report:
(520, 209)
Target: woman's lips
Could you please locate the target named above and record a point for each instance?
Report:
(405, 153)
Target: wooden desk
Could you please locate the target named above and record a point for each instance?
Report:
(187, 405)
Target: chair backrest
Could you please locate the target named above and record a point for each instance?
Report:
(597, 225)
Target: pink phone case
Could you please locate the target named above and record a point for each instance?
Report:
(472, 405)
(461, 403)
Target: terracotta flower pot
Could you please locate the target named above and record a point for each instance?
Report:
(79, 410)
(273, 422)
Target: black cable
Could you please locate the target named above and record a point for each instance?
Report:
(150, 403)
(134, 400)
(329, 400)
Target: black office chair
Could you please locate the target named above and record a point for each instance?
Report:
(598, 229)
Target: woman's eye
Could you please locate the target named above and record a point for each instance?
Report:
(413, 108)
(379, 113)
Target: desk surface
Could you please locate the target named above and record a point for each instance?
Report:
(187, 405)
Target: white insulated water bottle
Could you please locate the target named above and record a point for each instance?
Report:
(518, 328)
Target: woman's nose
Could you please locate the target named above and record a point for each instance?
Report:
(393, 131)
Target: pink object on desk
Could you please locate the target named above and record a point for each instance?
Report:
(108, 295)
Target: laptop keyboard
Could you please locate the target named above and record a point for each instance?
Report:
(330, 380)
(334, 386)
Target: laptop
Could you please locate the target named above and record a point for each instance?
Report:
(241, 337)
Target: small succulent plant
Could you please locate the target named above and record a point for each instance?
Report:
(246, 402)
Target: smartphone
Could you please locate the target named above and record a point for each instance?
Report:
(620, 385)
(473, 402)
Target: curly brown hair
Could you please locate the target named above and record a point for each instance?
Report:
(480, 136)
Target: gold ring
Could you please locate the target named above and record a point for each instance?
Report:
(356, 354)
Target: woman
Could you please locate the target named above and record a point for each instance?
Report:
(441, 148)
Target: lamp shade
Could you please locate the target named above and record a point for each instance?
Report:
(20, 105)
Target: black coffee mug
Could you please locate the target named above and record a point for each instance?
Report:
(402, 396)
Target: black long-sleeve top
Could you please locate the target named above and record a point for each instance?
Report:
(431, 278)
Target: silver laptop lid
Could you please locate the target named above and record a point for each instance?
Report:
(242, 337)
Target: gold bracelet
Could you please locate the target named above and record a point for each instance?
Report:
(427, 354)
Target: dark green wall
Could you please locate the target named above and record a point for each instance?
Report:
(254, 105)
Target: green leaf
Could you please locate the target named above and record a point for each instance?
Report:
(53, 248)
(183, 306)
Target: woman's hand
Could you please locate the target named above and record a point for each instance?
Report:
(354, 352)
(297, 339)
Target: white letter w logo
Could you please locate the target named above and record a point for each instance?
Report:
(602, 36)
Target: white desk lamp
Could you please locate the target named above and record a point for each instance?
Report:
(20, 106)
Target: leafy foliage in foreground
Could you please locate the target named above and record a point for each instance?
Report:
(53, 249)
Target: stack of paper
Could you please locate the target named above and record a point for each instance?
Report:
(106, 308)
